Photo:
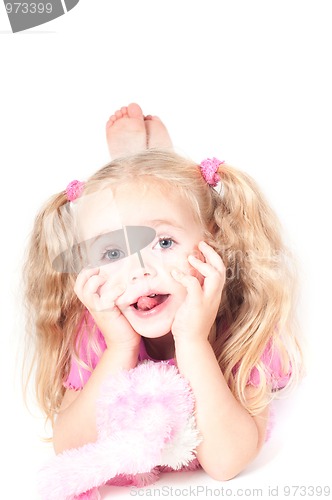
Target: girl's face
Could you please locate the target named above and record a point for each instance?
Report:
(165, 233)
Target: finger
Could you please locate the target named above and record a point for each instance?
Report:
(111, 292)
(206, 268)
(214, 279)
(83, 277)
(192, 285)
(106, 301)
(211, 256)
(202, 267)
(93, 285)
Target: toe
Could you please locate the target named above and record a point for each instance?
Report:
(135, 111)
(110, 121)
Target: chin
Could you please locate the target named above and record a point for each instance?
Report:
(152, 328)
(151, 333)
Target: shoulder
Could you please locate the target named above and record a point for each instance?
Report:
(276, 374)
(90, 344)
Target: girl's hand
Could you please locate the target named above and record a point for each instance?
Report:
(197, 314)
(99, 297)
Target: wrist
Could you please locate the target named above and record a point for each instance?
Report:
(192, 337)
(124, 348)
(186, 344)
(121, 356)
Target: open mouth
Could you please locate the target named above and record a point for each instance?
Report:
(149, 302)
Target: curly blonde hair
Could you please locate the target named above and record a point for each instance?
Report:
(257, 306)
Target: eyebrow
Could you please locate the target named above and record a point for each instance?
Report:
(94, 239)
(163, 222)
(151, 223)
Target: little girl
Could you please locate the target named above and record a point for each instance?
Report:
(207, 285)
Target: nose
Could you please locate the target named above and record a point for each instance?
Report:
(140, 273)
(140, 269)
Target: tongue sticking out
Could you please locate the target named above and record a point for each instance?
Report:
(147, 303)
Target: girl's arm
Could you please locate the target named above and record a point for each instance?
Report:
(75, 424)
(231, 437)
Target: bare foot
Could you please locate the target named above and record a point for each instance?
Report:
(156, 133)
(125, 131)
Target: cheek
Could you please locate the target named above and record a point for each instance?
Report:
(192, 271)
(179, 294)
(183, 265)
(196, 274)
(114, 274)
(180, 261)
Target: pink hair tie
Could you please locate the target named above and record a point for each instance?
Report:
(209, 170)
(74, 190)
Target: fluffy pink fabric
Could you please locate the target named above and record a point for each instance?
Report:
(145, 422)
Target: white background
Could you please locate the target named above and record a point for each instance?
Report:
(246, 81)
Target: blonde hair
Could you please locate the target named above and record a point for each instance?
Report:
(257, 307)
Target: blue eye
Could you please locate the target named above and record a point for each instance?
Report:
(166, 243)
(113, 254)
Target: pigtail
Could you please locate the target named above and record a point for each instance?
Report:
(53, 309)
(257, 305)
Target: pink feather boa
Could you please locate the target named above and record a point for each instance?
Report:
(145, 423)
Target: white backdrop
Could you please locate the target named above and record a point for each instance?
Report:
(246, 81)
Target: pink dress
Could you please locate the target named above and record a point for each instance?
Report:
(78, 375)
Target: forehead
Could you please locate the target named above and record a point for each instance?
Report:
(132, 204)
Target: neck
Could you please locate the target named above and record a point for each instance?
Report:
(161, 347)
